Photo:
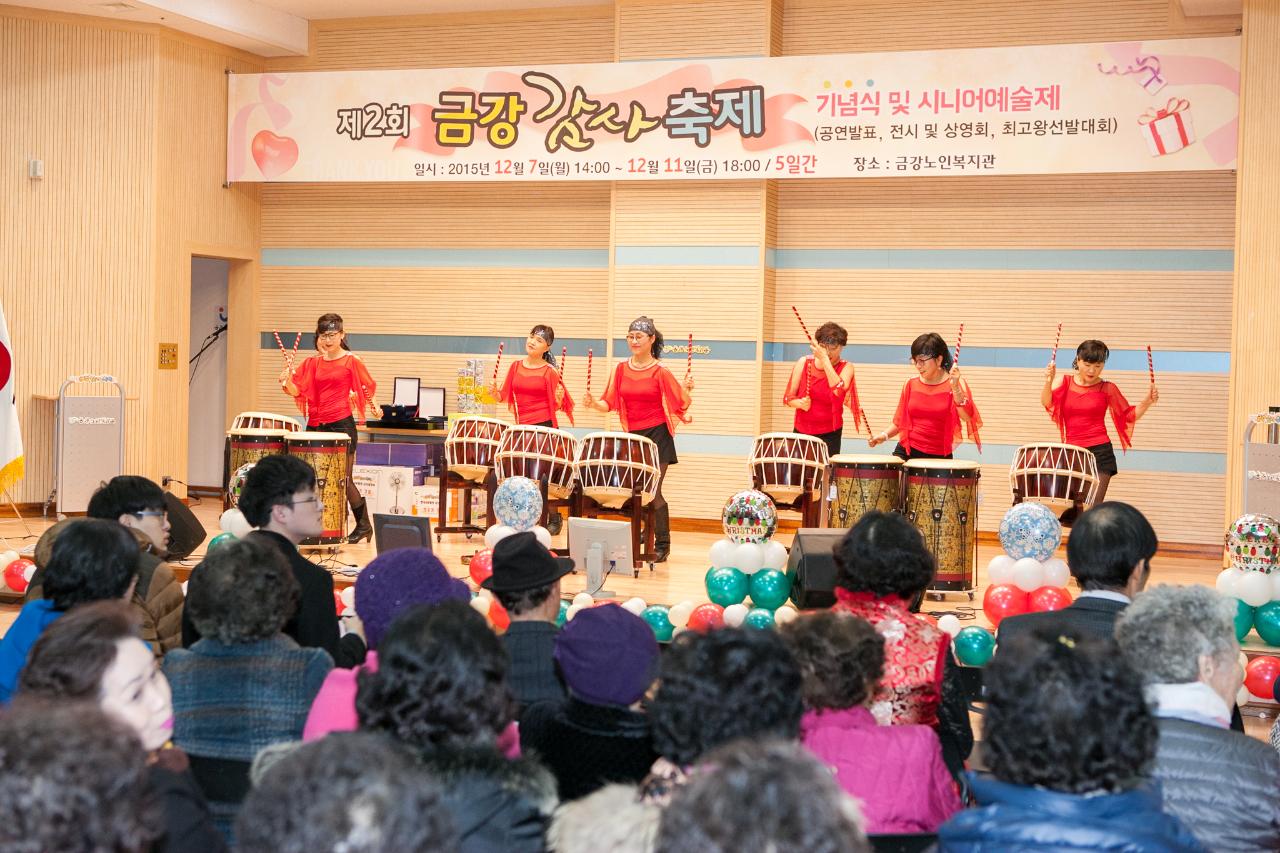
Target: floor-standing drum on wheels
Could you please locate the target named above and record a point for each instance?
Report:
(326, 452)
(613, 465)
(941, 499)
(539, 452)
(788, 464)
(471, 447)
(864, 482)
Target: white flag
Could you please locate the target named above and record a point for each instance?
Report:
(11, 465)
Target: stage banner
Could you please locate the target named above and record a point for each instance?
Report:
(1049, 109)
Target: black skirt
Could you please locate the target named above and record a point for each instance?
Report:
(831, 439)
(661, 436)
(346, 425)
(901, 453)
(1106, 456)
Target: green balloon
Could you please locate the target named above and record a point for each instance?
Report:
(1267, 620)
(220, 539)
(726, 585)
(1244, 620)
(656, 616)
(975, 646)
(759, 618)
(564, 612)
(769, 589)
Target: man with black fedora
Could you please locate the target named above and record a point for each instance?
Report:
(526, 582)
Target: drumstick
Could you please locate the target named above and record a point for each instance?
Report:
(564, 352)
(497, 363)
(296, 340)
(802, 325)
(588, 370)
(688, 370)
(284, 352)
(1151, 365)
(866, 423)
(1053, 359)
(959, 336)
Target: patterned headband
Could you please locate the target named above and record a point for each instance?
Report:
(544, 334)
(331, 326)
(643, 324)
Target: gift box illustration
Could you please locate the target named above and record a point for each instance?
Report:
(1169, 128)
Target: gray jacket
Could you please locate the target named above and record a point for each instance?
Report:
(1225, 786)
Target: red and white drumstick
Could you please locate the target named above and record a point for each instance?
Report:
(284, 352)
(588, 370)
(1053, 359)
(688, 369)
(802, 325)
(959, 337)
(497, 363)
(297, 339)
(866, 423)
(564, 352)
(1151, 365)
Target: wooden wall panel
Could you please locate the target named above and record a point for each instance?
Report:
(830, 26)
(699, 486)
(702, 213)
(719, 303)
(666, 29)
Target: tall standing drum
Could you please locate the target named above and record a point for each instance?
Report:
(941, 499)
(245, 447)
(539, 452)
(471, 447)
(788, 464)
(1054, 472)
(864, 482)
(327, 453)
(612, 466)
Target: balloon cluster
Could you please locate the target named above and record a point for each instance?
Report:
(1253, 578)
(1026, 578)
(746, 563)
(17, 571)
(517, 505)
(233, 525)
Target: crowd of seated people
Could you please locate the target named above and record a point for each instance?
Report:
(243, 717)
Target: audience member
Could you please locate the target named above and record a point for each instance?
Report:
(92, 560)
(613, 818)
(244, 685)
(896, 772)
(72, 780)
(94, 654)
(599, 734)
(1109, 552)
(279, 498)
(1070, 744)
(1182, 643)
(393, 582)
(347, 793)
(713, 688)
(883, 569)
(441, 690)
(761, 797)
(526, 581)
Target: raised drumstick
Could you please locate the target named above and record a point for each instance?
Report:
(297, 339)
(564, 352)
(802, 325)
(688, 370)
(497, 364)
(959, 337)
(1053, 359)
(866, 423)
(284, 352)
(1151, 365)
(588, 370)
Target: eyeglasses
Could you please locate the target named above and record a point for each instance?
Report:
(637, 337)
(311, 500)
(330, 336)
(922, 360)
(151, 513)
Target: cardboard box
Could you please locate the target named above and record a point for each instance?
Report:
(395, 487)
(367, 478)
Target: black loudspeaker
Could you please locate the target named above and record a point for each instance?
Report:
(401, 531)
(185, 530)
(812, 568)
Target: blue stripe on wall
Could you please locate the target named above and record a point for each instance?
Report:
(687, 256)
(430, 258)
(1200, 260)
(441, 344)
(720, 350)
(1171, 361)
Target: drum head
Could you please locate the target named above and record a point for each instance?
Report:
(317, 437)
(860, 460)
(246, 432)
(928, 466)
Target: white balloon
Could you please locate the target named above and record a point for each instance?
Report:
(775, 554)
(722, 553)
(543, 535)
(949, 624)
(482, 603)
(1244, 660)
(1254, 589)
(1275, 585)
(1243, 696)
(497, 533)
(348, 597)
(184, 588)
(1000, 569)
(583, 599)
(634, 605)
(679, 613)
(735, 615)
(224, 520)
(748, 558)
(1226, 582)
(784, 614)
(30, 571)
(1028, 574)
(571, 612)
(8, 557)
(1056, 572)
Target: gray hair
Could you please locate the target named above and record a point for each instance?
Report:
(1167, 628)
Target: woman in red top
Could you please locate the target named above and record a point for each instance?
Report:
(820, 385)
(934, 407)
(1078, 405)
(332, 389)
(649, 402)
(533, 389)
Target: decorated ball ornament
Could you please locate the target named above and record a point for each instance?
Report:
(749, 516)
(726, 586)
(517, 503)
(1253, 543)
(1030, 530)
(235, 483)
(974, 646)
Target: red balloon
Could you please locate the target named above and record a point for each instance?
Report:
(337, 602)
(1260, 675)
(481, 566)
(1048, 598)
(706, 617)
(15, 574)
(498, 616)
(1001, 600)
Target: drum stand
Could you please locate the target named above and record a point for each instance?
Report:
(1077, 504)
(642, 519)
(809, 507)
(452, 482)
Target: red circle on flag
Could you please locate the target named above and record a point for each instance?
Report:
(6, 365)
